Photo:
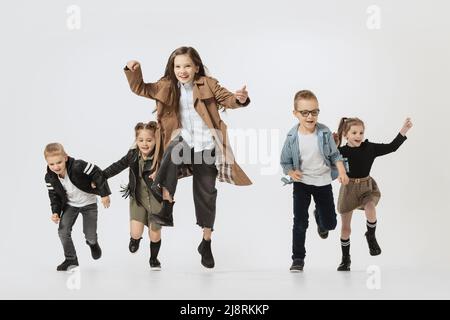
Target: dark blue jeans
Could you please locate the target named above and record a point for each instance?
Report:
(326, 217)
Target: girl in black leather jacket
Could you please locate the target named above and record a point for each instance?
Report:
(142, 163)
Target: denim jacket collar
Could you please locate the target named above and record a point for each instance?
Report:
(293, 135)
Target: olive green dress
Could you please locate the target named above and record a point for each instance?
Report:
(145, 203)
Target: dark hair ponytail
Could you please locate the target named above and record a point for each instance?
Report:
(340, 131)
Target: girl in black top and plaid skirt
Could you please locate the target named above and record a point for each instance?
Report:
(362, 191)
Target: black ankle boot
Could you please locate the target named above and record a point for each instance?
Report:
(154, 250)
(205, 250)
(374, 248)
(164, 217)
(134, 244)
(96, 251)
(345, 264)
(66, 264)
(155, 264)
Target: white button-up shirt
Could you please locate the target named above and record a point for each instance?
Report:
(194, 130)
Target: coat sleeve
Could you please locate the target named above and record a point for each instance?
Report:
(55, 200)
(118, 166)
(138, 86)
(224, 97)
(286, 161)
(96, 175)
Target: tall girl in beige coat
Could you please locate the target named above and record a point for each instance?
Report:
(187, 106)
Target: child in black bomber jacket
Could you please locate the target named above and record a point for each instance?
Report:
(69, 183)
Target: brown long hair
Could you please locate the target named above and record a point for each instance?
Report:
(169, 73)
(344, 126)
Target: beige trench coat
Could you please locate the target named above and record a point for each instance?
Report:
(208, 96)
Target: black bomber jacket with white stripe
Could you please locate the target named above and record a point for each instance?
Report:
(81, 174)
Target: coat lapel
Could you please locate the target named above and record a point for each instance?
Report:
(163, 95)
(201, 90)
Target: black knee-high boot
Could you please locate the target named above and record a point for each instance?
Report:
(154, 250)
(345, 263)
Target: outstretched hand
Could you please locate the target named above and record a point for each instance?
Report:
(242, 94)
(406, 126)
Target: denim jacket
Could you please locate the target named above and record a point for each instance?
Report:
(291, 157)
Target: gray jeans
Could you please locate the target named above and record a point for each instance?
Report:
(67, 221)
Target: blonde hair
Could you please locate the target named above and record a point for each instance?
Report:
(344, 126)
(54, 148)
(305, 95)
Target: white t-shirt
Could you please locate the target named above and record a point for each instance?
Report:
(315, 171)
(75, 196)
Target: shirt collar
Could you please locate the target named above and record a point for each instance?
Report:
(186, 86)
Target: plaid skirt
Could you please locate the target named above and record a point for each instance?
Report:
(357, 193)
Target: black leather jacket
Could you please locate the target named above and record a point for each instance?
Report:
(81, 174)
(131, 160)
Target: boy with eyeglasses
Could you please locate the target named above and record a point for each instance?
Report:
(311, 159)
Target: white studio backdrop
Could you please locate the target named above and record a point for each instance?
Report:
(62, 80)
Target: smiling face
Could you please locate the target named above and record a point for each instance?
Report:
(145, 140)
(57, 164)
(355, 135)
(184, 68)
(307, 113)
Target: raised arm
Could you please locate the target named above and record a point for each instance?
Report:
(383, 149)
(226, 98)
(137, 85)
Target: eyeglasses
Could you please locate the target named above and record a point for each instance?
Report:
(306, 113)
